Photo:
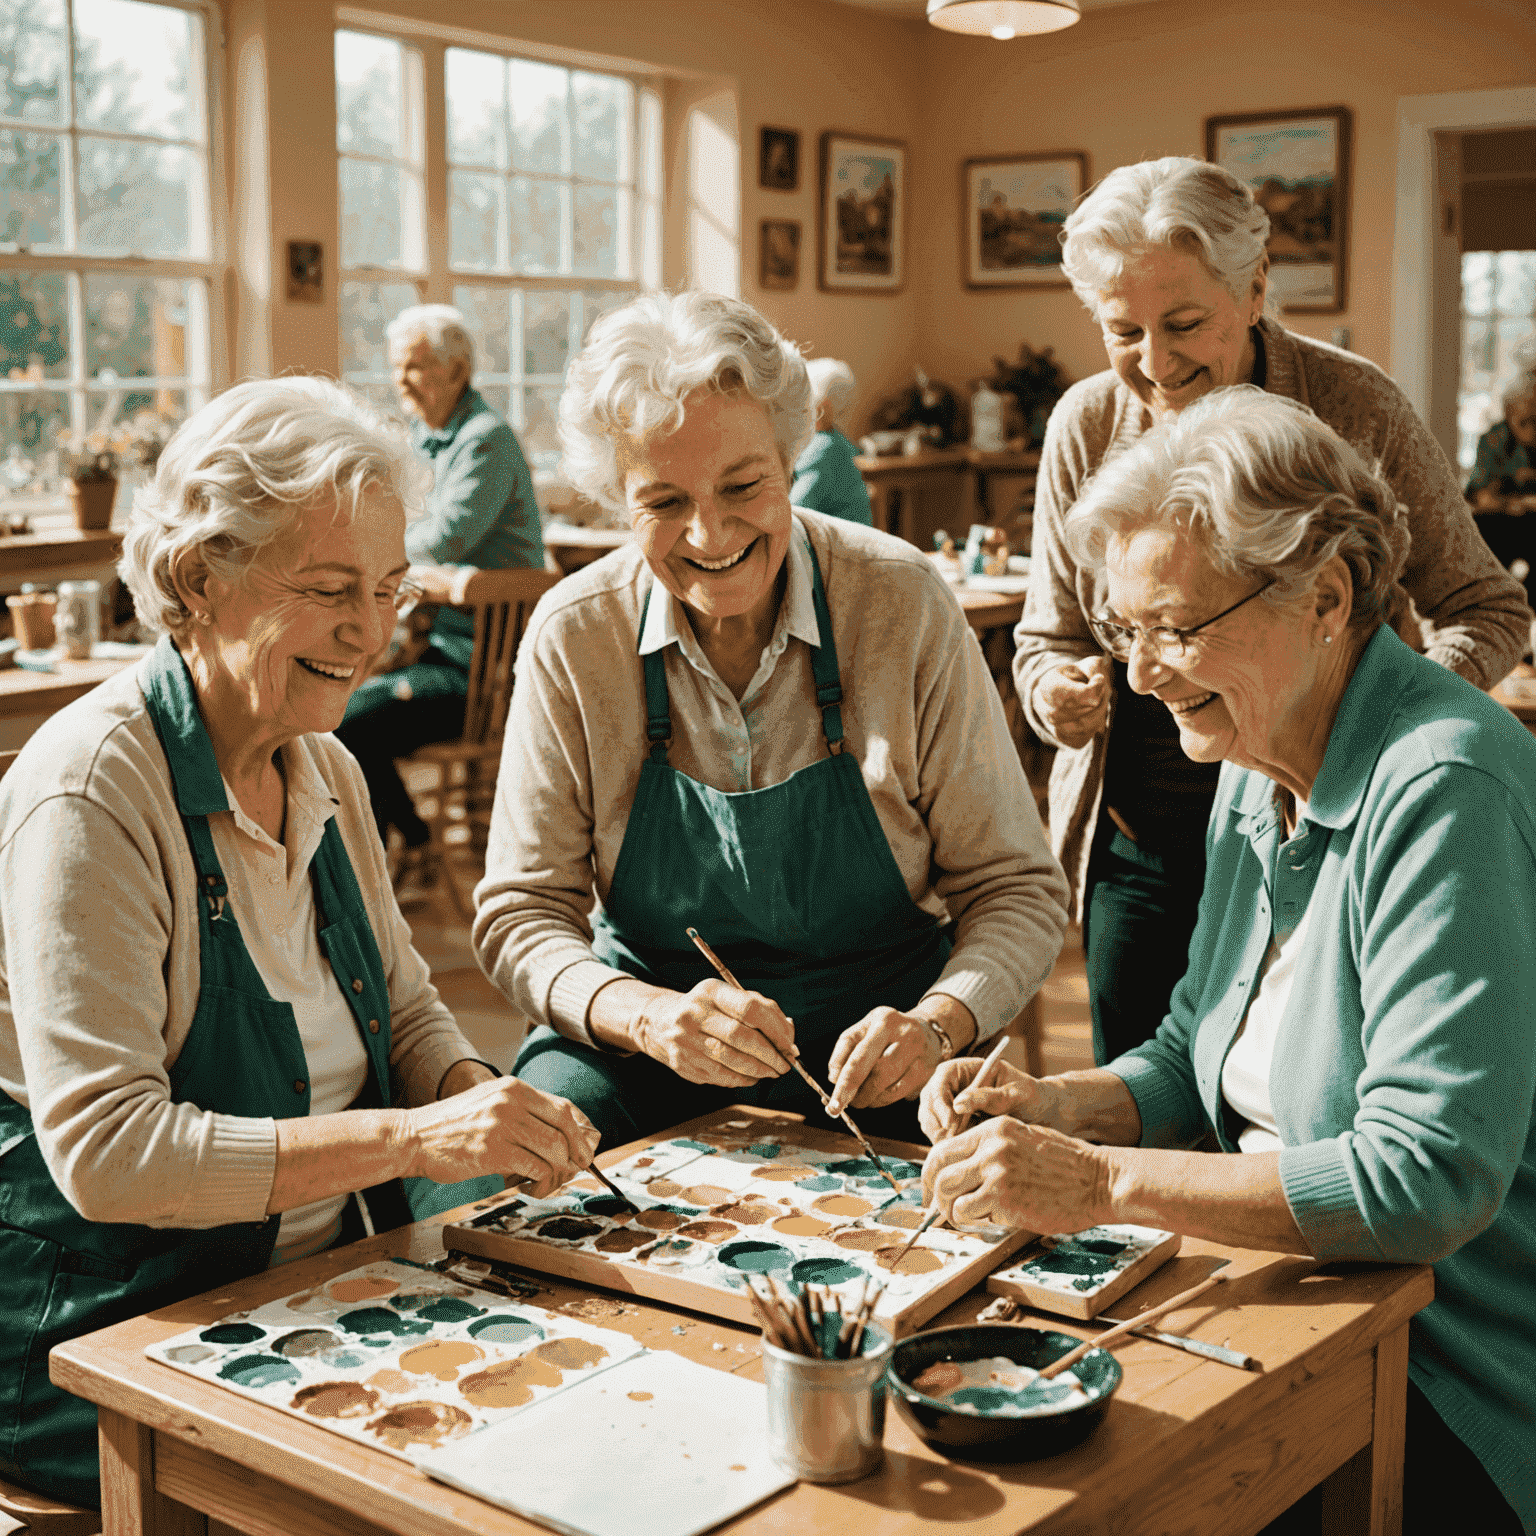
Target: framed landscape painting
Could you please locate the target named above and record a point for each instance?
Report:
(1013, 209)
(862, 214)
(1297, 164)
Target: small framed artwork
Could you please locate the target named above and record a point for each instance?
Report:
(305, 272)
(1014, 207)
(1297, 164)
(778, 254)
(861, 215)
(778, 159)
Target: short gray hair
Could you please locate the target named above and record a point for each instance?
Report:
(1521, 387)
(238, 472)
(1178, 203)
(832, 380)
(441, 326)
(1264, 487)
(643, 361)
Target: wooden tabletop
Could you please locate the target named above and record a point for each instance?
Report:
(42, 693)
(1188, 1444)
(1517, 693)
(26, 552)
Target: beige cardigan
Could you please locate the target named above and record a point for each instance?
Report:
(99, 970)
(1471, 611)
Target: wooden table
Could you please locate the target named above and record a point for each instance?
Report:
(977, 480)
(1188, 1445)
(21, 554)
(25, 693)
(573, 547)
(1517, 693)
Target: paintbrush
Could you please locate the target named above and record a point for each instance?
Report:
(866, 1312)
(906, 1247)
(611, 1187)
(1124, 1330)
(983, 1079)
(858, 1135)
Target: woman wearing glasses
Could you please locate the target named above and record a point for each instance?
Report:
(1357, 1025)
(1169, 256)
(213, 1026)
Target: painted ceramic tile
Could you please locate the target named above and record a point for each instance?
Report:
(1081, 1264)
(396, 1356)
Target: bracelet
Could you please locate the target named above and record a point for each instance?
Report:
(946, 1044)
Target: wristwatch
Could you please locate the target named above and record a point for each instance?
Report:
(940, 1034)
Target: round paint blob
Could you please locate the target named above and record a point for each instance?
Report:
(663, 1189)
(345, 1359)
(381, 1320)
(306, 1341)
(259, 1371)
(232, 1333)
(842, 1205)
(504, 1329)
(709, 1231)
(908, 1216)
(862, 1239)
(796, 1224)
(352, 1288)
(443, 1358)
(439, 1309)
(390, 1380)
(748, 1213)
(662, 1219)
(335, 1400)
(607, 1205)
(622, 1240)
(1062, 1261)
(510, 1384)
(820, 1184)
(757, 1258)
(423, 1423)
(677, 1253)
(706, 1194)
(189, 1354)
(825, 1272)
(569, 1229)
(569, 1354)
(787, 1173)
(916, 1261)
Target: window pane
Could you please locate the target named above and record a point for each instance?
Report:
(372, 214)
(546, 332)
(32, 61)
(598, 301)
(477, 108)
(540, 212)
(135, 68)
(111, 411)
(476, 219)
(1515, 289)
(31, 422)
(487, 314)
(136, 327)
(29, 189)
(1476, 283)
(141, 199)
(596, 247)
(537, 434)
(366, 308)
(34, 325)
(536, 95)
(369, 95)
(603, 109)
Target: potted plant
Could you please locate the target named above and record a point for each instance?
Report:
(89, 471)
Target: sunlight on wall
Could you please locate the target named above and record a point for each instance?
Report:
(714, 196)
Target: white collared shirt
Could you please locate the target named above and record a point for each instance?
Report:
(273, 900)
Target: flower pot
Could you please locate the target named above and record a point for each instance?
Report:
(92, 501)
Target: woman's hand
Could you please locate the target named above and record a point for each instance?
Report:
(1023, 1177)
(1073, 700)
(887, 1056)
(716, 1035)
(948, 1095)
(501, 1126)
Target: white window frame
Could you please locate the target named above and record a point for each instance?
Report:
(1470, 423)
(206, 363)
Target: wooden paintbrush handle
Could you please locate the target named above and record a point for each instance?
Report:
(983, 1079)
(1127, 1328)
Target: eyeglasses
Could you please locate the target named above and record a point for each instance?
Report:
(1168, 643)
(407, 596)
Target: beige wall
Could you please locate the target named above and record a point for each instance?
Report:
(1135, 82)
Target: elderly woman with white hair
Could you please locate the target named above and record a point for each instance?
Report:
(770, 726)
(1169, 256)
(1357, 1026)
(213, 1027)
(826, 478)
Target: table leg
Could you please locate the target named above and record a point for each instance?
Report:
(1366, 1493)
(130, 1506)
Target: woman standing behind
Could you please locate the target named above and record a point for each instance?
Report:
(1169, 256)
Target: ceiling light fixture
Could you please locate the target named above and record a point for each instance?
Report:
(1003, 19)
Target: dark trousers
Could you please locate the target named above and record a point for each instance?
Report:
(1445, 1487)
(1139, 910)
(1510, 539)
(380, 726)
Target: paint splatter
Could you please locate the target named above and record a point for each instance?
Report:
(259, 1371)
(692, 1146)
(940, 1377)
(622, 1240)
(825, 1272)
(335, 1400)
(595, 1308)
(709, 1231)
(362, 1288)
(306, 1341)
(345, 1359)
(437, 1308)
(644, 1162)
(787, 1172)
(640, 1397)
(747, 1213)
(421, 1423)
(738, 1466)
(189, 1354)
(663, 1189)
(842, 1205)
(862, 1239)
(663, 1219)
(757, 1258)
(391, 1381)
(676, 1253)
(504, 1329)
(706, 1194)
(568, 1229)
(510, 1384)
(569, 1354)
(916, 1261)
(381, 1320)
(444, 1358)
(799, 1225)
(232, 1333)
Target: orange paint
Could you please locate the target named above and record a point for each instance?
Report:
(660, 1221)
(423, 1423)
(569, 1354)
(443, 1359)
(865, 1242)
(748, 1212)
(785, 1172)
(842, 1205)
(391, 1381)
(663, 1189)
(916, 1261)
(706, 1194)
(641, 1397)
(510, 1384)
(907, 1216)
(335, 1400)
(363, 1288)
(799, 1225)
(709, 1231)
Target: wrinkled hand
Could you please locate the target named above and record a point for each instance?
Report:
(502, 1126)
(887, 1056)
(1073, 700)
(948, 1098)
(1024, 1177)
(717, 1035)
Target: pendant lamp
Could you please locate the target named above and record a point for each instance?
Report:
(1003, 19)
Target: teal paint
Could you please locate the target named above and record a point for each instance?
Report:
(436, 1308)
(864, 1168)
(825, 1272)
(756, 1258)
(381, 1320)
(765, 1150)
(347, 1359)
(693, 1146)
(504, 1329)
(820, 1185)
(260, 1371)
(232, 1333)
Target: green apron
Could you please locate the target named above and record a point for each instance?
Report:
(794, 886)
(243, 1055)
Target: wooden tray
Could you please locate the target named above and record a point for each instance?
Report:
(754, 1191)
(1054, 1279)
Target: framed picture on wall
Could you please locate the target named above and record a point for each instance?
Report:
(1013, 207)
(778, 254)
(861, 215)
(1297, 164)
(778, 159)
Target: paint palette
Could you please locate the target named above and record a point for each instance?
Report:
(1080, 1273)
(728, 1197)
(396, 1356)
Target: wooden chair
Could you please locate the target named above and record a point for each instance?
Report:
(40, 1516)
(466, 768)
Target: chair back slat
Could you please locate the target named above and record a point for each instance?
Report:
(502, 602)
(6, 759)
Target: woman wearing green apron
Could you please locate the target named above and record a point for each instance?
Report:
(214, 1029)
(765, 724)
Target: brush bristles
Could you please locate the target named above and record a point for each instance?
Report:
(799, 1324)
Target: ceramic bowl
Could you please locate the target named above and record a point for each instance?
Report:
(984, 1436)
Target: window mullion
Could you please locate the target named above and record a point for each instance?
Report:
(69, 169)
(77, 405)
(435, 171)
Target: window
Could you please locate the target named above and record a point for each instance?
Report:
(105, 234)
(551, 189)
(1498, 321)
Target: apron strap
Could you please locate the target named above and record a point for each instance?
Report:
(658, 707)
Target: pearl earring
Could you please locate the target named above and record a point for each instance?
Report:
(1327, 639)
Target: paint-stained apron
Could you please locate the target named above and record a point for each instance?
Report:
(794, 886)
(64, 1275)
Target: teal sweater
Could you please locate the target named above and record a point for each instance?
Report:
(1404, 1070)
(827, 480)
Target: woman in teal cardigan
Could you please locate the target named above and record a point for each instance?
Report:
(1357, 1024)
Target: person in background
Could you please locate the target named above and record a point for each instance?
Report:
(1169, 256)
(481, 512)
(826, 478)
(1502, 486)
